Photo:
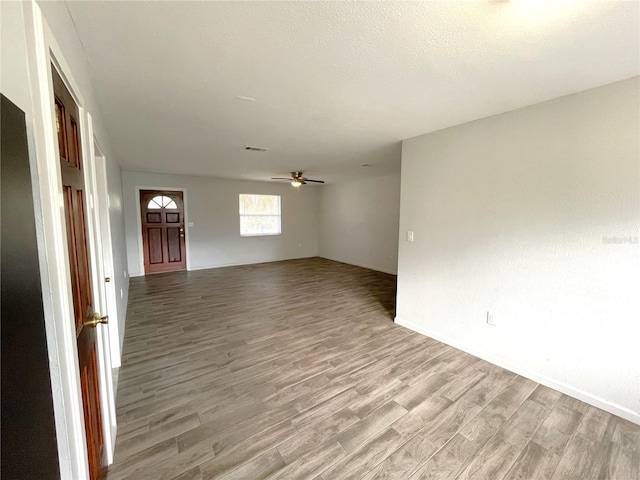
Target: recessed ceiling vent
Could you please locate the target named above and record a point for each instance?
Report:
(255, 149)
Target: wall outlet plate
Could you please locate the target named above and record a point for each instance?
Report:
(490, 319)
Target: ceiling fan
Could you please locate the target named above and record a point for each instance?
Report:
(297, 179)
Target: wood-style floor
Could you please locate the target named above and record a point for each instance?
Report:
(296, 370)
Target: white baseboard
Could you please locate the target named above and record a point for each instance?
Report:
(239, 264)
(586, 397)
(368, 267)
(222, 265)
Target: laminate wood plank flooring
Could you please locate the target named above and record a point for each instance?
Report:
(295, 370)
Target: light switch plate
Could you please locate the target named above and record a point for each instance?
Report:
(409, 236)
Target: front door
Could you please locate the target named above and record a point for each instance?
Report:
(162, 214)
(71, 166)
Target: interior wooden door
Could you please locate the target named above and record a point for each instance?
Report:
(162, 214)
(85, 319)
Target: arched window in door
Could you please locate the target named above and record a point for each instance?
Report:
(161, 201)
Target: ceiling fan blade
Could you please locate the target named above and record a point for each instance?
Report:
(280, 178)
(315, 181)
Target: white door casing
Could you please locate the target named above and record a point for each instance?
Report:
(102, 194)
(42, 52)
(97, 259)
(139, 222)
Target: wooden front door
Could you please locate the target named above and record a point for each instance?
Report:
(162, 215)
(71, 166)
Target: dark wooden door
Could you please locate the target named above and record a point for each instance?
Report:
(71, 166)
(162, 214)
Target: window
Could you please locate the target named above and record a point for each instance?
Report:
(259, 215)
(161, 201)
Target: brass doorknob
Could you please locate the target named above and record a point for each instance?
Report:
(96, 320)
(107, 279)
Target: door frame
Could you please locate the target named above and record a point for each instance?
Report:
(97, 259)
(43, 51)
(139, 222)
(105, 239)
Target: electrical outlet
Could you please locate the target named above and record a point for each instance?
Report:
(490, 319)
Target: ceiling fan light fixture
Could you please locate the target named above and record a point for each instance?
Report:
(297, 179)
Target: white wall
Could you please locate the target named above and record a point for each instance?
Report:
(212, 206)
(13, 51)
(517, 215)
(358, 222)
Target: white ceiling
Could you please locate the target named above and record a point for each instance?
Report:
(336, 84)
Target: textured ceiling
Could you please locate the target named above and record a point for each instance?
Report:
(336, 84)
